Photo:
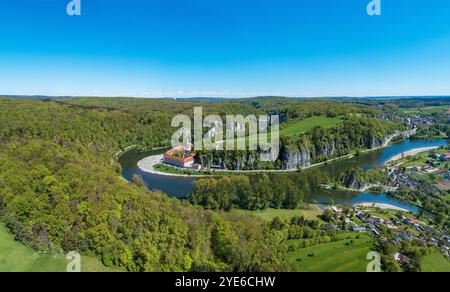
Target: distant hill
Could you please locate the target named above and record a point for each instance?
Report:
(35, 96)
(221, 99)
(406, 97)
(203, 99)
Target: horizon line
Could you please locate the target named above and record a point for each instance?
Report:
(225, 97)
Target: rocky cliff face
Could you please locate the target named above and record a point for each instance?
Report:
(293, 156)
(303, 156)
(238, 161)
(360, 186)
(372, 142)
(295, 159)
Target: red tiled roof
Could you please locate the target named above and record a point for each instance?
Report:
(168, 155)
(405, 260)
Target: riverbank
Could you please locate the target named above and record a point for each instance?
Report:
(382, 206)
(148, 164)
(178, 184)
(411, 152)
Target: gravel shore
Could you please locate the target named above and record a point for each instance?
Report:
(412, 153)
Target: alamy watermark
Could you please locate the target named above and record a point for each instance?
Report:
(242, 133)
(374, 8)
(374, 266)
(74, 8)
(74, 262)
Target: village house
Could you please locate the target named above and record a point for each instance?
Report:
(433, 242)
(445, 157)
(358, 229)
(402, 259)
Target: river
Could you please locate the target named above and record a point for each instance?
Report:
(181, 187)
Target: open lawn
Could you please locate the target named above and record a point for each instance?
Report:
(269, 214)
(435, 110)
(435, 262)
(17, 257)
(427, 110)
(341, 256)
(173, 170)
(417, 160)
(420, 159)
(422, 177)
(299, 127)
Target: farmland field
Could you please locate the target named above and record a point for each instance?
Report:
(16, 257)
(427, 110)
(434, 110)
(305, 125)
(341, 256)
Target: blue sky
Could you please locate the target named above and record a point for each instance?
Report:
(228, 48)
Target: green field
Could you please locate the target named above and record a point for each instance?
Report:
(16, 257)
(269, 214)
(305, 125)
(420, 159)
(338, 256)
(422, 177)
(172, 170)
(297, 127)
(435, 262)
(204, 172)
(426, 110)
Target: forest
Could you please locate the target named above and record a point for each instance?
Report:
(319, 144)
(60, 189)
(258, 192)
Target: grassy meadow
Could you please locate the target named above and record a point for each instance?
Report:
(17, 257)
(427, 110)
(346, 255)
(435, 262)
(269, 214)
(299, 127)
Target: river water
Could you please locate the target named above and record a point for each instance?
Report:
(181, 187)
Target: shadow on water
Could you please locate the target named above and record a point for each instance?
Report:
(181, 187)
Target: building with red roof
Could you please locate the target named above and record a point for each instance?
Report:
(445, 157)
(180, 156)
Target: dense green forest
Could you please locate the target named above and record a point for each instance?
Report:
(356, 178)
(256, 192)
(60, 189)
(356, 133)
(301, 108)
(418, 102)
(319, 144)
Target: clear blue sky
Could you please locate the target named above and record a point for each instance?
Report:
(230, 48)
